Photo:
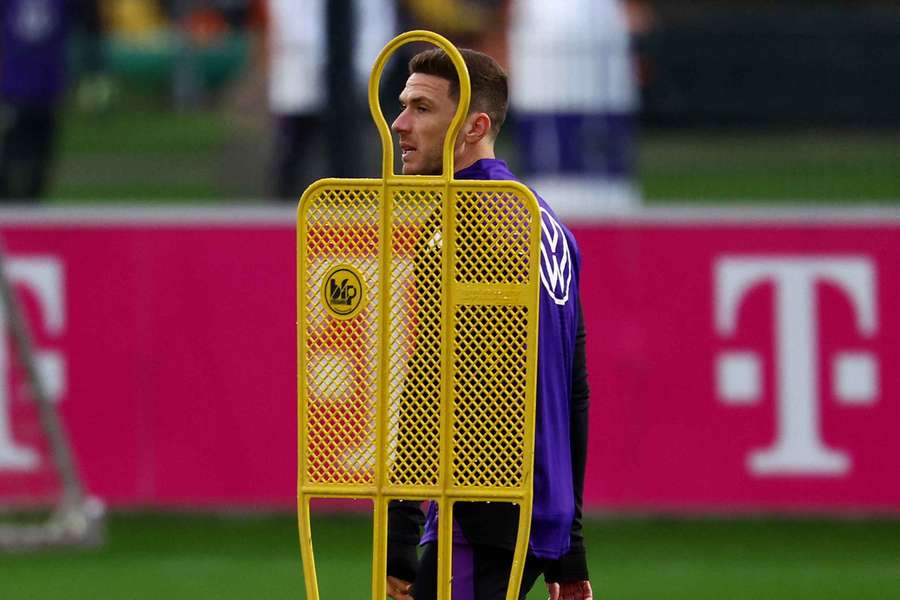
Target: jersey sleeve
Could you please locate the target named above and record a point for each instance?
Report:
(572, 566)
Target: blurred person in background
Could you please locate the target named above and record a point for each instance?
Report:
(476, 24)
(236, 13)
(574, 96)
(34, 44)
(321, 53)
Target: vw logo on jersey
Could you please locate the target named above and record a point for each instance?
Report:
(556, 259)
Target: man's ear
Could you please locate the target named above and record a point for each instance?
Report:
(477, 126)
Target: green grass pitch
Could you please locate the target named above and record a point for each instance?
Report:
(176, 557)
(160, 156)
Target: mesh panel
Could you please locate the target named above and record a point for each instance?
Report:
(492, 245)
(415, 330)
(341, 354)
(494, 290)
(489, 388)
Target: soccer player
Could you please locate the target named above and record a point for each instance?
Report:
(34, 39)
(485, 533)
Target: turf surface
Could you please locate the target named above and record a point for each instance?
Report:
(156, 155)
(199, 556)
(783, 167)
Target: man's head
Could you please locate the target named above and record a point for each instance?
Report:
(428, 103)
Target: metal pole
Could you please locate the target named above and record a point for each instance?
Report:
(343, 101)
(73, 491)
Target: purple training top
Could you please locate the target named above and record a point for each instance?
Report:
(554, 501)
(33, 57)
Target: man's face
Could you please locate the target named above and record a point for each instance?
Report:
(426, 112)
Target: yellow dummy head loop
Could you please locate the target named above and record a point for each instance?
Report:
(462, 109)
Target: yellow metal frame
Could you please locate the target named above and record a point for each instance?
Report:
(322, 213)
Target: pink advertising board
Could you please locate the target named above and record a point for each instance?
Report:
(743, 366)
(736, 363)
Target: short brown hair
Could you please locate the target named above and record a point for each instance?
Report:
(490, 90)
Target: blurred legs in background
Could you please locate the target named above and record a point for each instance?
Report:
(574, 96)
(320, 57)
(577, 144)
(297, 138)
(26, 150)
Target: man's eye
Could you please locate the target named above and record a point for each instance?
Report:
(421, 109)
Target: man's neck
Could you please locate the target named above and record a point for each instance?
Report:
(471, 155)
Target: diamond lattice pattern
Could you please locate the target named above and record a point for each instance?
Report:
(415, 343)
(492, 240)
(489, 395)
(341, 354)
(487, 342)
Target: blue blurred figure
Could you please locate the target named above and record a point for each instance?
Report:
(574, 94)
(33, 76)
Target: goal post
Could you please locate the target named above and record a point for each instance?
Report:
(417, 314)
(74, 518)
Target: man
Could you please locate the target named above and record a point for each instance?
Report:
(306, 64)
(34, 36)
(574, 95)
(484, 533)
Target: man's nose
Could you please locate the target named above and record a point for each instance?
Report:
(401, 123)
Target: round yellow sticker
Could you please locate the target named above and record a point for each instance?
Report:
(343, 291)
